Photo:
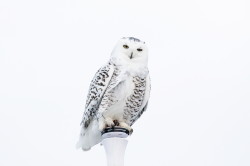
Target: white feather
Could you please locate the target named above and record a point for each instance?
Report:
(128, 62)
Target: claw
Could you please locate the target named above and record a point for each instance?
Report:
(109, 122)
(126, 126)
(105, 123)
(116, 122)
(131, 131)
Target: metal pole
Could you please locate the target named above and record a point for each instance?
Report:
(115, 143)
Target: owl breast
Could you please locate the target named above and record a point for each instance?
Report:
(127, 98)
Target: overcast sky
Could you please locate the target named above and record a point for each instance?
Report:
(199, 62)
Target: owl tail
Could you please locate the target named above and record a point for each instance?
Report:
(89, 136)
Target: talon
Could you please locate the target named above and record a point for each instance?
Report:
(106, 123)
(116, 122)
(110, 125)
(109, 122)
(131, 131)
(126, 126)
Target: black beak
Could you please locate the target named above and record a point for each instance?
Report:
(131, 56)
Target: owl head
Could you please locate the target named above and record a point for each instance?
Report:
(130, 50)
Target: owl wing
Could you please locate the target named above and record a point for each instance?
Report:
(97, 88)
(145, 100)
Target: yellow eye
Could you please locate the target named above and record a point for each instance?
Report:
(125, 46)
(139, 49)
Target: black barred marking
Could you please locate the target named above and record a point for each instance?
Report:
(133, 104)
(108, 98)
(95, 90)
(132, 38)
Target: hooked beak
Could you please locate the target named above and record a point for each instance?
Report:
(131, 56)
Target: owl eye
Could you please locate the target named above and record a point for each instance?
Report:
(126, 46)
(139, 49)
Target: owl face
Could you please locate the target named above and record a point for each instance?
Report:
(130, 49)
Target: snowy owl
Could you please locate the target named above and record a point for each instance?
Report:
(118, 93)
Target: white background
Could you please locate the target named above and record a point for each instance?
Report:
(199, 61)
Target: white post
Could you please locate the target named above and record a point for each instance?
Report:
(115, 142)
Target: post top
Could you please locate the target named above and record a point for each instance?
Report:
(115, 132)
